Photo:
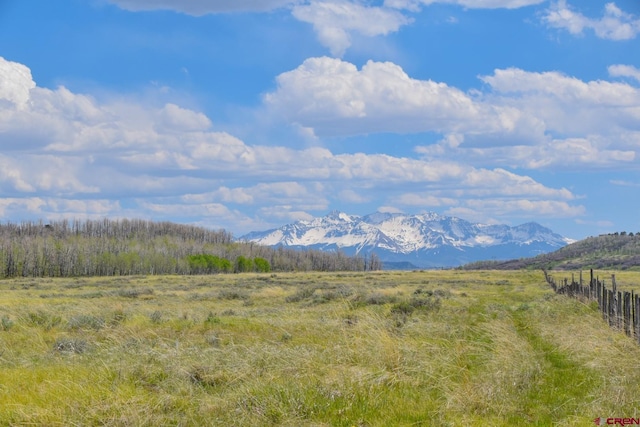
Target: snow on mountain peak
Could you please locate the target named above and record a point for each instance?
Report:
(400, 235)
(339, 216)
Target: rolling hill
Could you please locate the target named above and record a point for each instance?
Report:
(620, 251)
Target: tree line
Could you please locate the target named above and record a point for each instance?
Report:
(72, 248)
(209, 264)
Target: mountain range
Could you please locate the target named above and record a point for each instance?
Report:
(427, 240)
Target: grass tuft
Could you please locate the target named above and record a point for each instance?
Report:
(85, 321)
(6, 323)
(70, 345)
(43, 319)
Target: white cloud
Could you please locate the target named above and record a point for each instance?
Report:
(16, 83)
(9, 206)
(566, 104)
(623, 183)
(285, 214)
(570, 153)
(70, 154)
(615, 24)
(167, 208)
(263, 193)
(334, 97)
(12, 177)
(496, 211)
(46, 173)
(526, 207)
(55, 208)
(414, 5)
(176, 119)
(334, 20)
(80, 208)
(523, 119)
(620, 70)
(203, 7)
(389, 209)
(487, 182)
(425, 200)
(514, 80)
(210, 215)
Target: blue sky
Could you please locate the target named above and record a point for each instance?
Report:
(249, 114)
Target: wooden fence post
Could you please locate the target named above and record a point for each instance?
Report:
(633, 314)
(580, 277)
(610, 306)
(599, 293)
(615, 299)
(627, 313)
(619, 312)
(637, 309)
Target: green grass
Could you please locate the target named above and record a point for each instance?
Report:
(436, 348)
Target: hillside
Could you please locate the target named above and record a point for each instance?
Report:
(620, 251)
(131, 247)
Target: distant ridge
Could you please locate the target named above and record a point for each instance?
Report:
(427, 240)
(402, 265)
(620, 251)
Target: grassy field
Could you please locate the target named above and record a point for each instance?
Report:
(435, 348)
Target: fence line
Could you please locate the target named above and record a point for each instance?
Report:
(620, 309)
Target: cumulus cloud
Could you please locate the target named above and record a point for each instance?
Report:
(9, 206)
(334, 97)
(615, 24)
(16, 83)
(71, 154)
(57, 208)
(42, 173)
(285, 214)
(173, 118)
(480, 209)
(586, 122)
(203, 7)
(334, 20)
(570, 153)
(620, 70)
(566, 104)
(263, 193)
(521, 119)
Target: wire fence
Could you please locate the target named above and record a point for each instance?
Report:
(620, 308)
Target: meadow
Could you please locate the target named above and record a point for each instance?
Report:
(422, 348)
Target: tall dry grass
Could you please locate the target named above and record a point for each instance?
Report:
(437, 348)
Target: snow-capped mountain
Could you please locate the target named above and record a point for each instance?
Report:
(425, 240)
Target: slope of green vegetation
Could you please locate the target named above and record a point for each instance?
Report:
(620, 251)
(129, 247)
(437, 348)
